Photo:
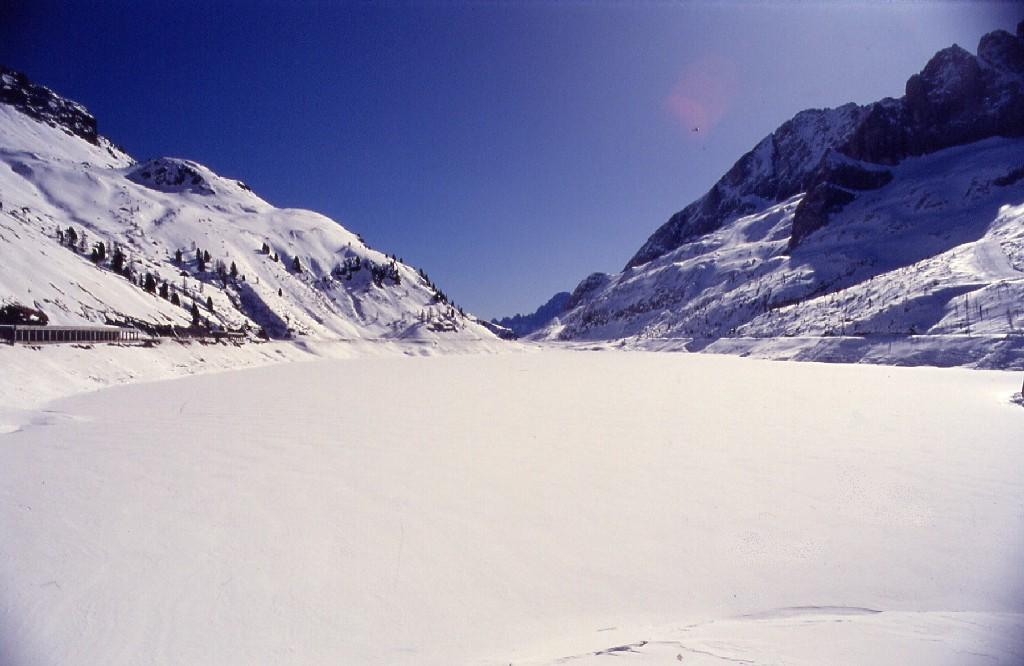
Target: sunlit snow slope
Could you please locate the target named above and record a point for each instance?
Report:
(283, 271)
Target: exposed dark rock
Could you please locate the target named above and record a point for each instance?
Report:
(835, 185)
(781, 165)
(43, 104)
(501, 331)
(815, 208)
(851, 174)
(1013, 176)
(958, 98)
(1003, 51)
(590, 284)
(17, 314)
(171, 174)
(882, 135)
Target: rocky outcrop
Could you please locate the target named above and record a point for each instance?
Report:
(171, 175)
(592, 283)
(500, 331)
(783, 164)
(834, 185)
(46, 106)
(958, 98)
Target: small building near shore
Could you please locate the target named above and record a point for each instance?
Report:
(56, 334)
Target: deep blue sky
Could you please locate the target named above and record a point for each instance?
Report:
(508, 148)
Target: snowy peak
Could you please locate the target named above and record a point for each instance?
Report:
(958, 98)
(46, 106)
(87, 236)
(781, 165)
(904, 217)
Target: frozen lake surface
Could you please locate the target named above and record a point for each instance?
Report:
(520, 508)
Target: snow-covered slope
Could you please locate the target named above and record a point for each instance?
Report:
(901, 217)
(244, 263)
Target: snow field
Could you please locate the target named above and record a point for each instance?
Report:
(519, 508)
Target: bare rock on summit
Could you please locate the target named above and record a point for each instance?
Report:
(868, 219)
(171, 175)
(44, 105)
(958, 98)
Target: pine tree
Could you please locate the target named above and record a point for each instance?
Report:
(164, 291)
(177, 256)
(150, 283)
(195, 313)
(117, 261)
(279, 292)
(234, 270)
(265, 249)
(209, 303)
(72, 237)
(99, 253)
(206, 255)
(175, 300)
(200, 261)
(296, 266)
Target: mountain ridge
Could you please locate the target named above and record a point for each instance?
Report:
(857, 220)
(957, 98)
(89, 235)
(523, 325)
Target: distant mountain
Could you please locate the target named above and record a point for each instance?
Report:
(523, 325)
(89, 235)
(905, 216)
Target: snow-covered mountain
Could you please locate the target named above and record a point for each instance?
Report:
(523, 325)
(905, 216)
(89, 235)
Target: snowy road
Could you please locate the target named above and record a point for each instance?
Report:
(520, 508)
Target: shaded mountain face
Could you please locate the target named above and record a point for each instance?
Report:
(957, 98)
(523, 325)
(90, 236)
(902, 216)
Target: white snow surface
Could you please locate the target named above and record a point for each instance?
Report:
(550, 507)
(51, 180)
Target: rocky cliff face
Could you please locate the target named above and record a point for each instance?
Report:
(905, 216)
(46, 106)
(781, 165)
(958, 98)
